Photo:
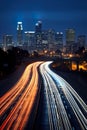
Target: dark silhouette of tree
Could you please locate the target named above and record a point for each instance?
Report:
(36, 54)
(11, 58)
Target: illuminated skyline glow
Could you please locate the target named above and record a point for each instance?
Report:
(56, 14)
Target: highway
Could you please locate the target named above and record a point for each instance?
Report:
(16, 105)
(66, 109)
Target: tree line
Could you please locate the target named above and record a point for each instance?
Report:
(10, 58)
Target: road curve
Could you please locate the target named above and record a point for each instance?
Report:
(16, 105)
(66, 109)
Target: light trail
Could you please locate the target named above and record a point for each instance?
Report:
(12, 94)
(53, 84)
(25, 91)
(58, 118)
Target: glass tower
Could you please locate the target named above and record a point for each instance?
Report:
(19, 34)
(38, 35)
(70, 40)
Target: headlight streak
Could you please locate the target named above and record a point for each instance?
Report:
(70, 94)
(57, 115)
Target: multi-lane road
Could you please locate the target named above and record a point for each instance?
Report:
(17, 104)
(65, 108)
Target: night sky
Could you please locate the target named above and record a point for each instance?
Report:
(56, 14)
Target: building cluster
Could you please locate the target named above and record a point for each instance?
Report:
(44, 40)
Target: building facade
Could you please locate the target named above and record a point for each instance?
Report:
(29, 40)
(38, 35)
(51, 39)
(7, 41)
(19, 34)
(81, 41)
(70, 40)
(59, 41)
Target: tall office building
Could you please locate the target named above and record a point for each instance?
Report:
(29, 40)
(81, 41)
(38, 27)
(70, 40)
(38, 35)
(51, 39)
(59, 40)
(7, 41)
(19, 34)
(45, 39)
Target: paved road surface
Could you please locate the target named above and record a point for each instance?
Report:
(16, 105)
(66, 109)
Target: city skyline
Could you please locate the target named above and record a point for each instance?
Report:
(54, 14)
(43, 29)
(44, 40)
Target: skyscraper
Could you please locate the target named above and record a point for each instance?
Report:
(59, 40)
(38, 27)
(29, 40)
(81, 41)
(19, 34)
(51, 39)
(45, 39)
(7, 41)
(70, 40)
(38, 35)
